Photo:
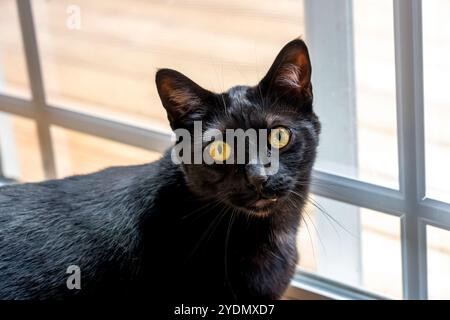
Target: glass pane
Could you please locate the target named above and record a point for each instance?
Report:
(352, 245)
(19, 149)
(358, 106)
(78, 153)
(436, 49)
(13, 72)
(101, 56)
(438, 255)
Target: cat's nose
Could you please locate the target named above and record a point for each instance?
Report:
(256, 176)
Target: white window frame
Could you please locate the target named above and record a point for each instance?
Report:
(409, 203)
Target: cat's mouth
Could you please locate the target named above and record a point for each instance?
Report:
(260, 207)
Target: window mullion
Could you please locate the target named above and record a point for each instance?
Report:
(409, 83)
(36, 84)
(435, 212)
(152, 139)
(357, 193)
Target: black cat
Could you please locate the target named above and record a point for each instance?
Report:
(174, 231)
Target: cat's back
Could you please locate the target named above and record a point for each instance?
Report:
(71, 193)
(85, 220)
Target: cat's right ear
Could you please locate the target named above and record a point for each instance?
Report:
(184, 100)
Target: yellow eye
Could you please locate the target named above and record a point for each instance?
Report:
(279, 137)
(219, 150)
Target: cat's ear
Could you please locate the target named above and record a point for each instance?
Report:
(289, 77)
(184, 100)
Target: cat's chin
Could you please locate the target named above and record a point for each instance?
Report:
(262, 208)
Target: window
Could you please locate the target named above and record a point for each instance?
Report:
(437, 136)
(76, 78)
(352, 245)
(13, 75)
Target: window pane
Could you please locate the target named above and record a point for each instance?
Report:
(355, 95)
(438, 254)
(78, 153)
(352, 245)
(19, 149)
(13, 73)
(107, 66)
(436, 48)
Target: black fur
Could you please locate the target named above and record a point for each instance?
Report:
(170, 231)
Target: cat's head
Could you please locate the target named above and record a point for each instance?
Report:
(280, 103)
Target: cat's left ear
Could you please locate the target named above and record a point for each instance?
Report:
(184, 100)
(289, 77)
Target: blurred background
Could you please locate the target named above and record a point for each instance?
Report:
(99, 58)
